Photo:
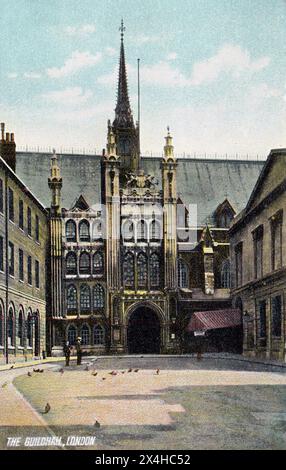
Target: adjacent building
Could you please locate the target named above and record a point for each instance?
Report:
(258, 259)
(23, 249)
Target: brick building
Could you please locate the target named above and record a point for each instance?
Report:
(23, 245)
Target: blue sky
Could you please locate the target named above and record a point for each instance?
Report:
(214, 70)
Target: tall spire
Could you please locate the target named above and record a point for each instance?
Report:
(123, 113)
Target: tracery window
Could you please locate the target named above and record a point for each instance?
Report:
(141, 230)
(71, 263)
(71, 298)
(84, 235)
(225, 274)
(21, 328)
(98, 263)
(98, 335)
(84, 298)
(98, 296)
(154, 270)
(183, 274)
(71, 231)
(128, 270)
(85, 335)
(72, 334)
(128, 231)
(84, 263)
(30, 330)
(11, 321)
(155, 232)
(142, 270)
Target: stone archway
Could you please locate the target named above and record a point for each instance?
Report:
(143, 331)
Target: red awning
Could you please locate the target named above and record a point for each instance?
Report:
(214, 319)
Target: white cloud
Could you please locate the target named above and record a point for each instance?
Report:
(77, 61)
(230, 59)
(144, 39)
(71, 96)
(32, 75)
(12, 75)
(110, 51)
(81, 30)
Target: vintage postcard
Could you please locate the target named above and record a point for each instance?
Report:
(142, 228)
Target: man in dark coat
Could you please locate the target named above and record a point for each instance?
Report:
(78, 351)
(67, 353)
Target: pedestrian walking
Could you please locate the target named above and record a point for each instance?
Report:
(67, 353)
(78, 351)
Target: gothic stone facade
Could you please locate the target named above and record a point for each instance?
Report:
(23, 249)
(128, 272)
(258, 255)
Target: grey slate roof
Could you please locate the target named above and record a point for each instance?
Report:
(204, 182)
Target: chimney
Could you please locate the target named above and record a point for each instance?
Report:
(8, 148)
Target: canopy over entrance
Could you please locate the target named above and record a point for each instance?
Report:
(214, 319)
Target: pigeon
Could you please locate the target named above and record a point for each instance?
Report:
(158, 371)
(97, 424)
(12, 367)
(35, 370)
(29, 374)
(123, 372)
(136, 370)
(61, 370)
(41, 371)
(113, 373)
(47, 408)
(95, 374)
(129, 370)
(103, 378)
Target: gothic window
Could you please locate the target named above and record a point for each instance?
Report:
(72, 335)
(84, 263)
(84, 298)
(85, 335)
(71, 298)
(155, 231)
(98, 296)
(98, 335)
(71, 231)
(71, 263)
(225, 274)
(128, 270)
(154, 270)
(1, 324)
(98, 263)
(183, 274)
(97, 230)
(142, 270)
(142, 231)
(11, 325)
(21, 328)
(128, 231)
(84, 231)
(30, 330)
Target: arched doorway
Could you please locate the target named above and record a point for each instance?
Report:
(143, 331)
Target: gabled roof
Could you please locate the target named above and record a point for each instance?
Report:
(225, 205)
(267, 172)
(80, 204)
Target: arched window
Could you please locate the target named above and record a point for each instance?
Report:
(1, 324)
(154, 270)
(71, 298)
(84, 231)
(128, 270)
(98, 335)
(84, 263)
(11, 328)
(183, 274)
(98, 296)
(142, 270)
(85, 335)
(71, 231)
(71, 264)
(71, 335)
(21, 329)
(30, 330)
(142, 230)
(155, 231)
(128, 231)
(225, 274)
(84, 298)
(96, 230)
(98, 263)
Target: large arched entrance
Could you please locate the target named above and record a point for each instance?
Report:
(143, 331)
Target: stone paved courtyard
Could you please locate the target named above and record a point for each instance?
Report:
(210, 404)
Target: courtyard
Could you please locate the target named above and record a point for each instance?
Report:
(140, 402)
